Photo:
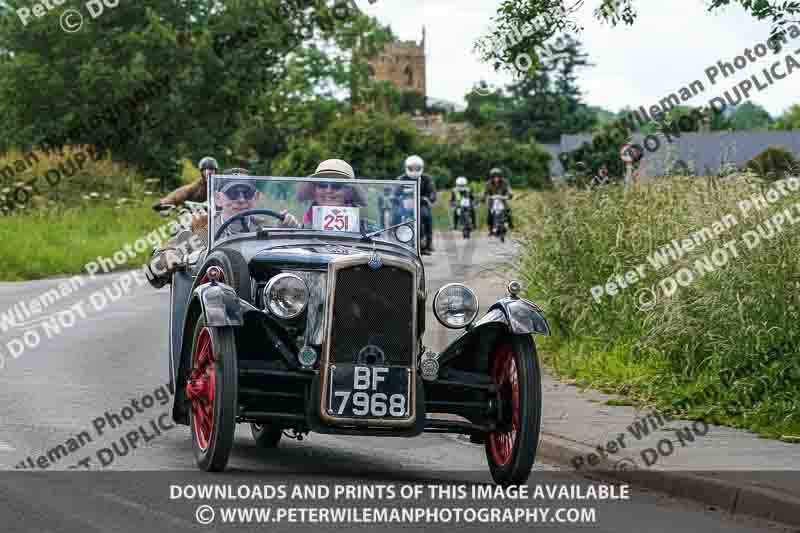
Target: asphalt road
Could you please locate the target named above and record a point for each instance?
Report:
(111, 361)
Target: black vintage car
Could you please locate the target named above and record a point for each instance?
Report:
(306, 312)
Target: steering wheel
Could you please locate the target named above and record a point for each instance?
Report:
(247, 213)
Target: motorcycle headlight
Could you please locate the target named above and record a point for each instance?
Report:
(286, 295)
(455, 306)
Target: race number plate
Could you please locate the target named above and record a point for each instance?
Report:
(360, 391)
(327, 218)
(466, 202)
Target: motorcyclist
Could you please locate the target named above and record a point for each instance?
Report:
(193, 192)
(414, 170)
(461, 191)
(497, 185)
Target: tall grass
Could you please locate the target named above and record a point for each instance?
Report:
(733, 331)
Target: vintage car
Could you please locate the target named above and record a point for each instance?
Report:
(305, 312)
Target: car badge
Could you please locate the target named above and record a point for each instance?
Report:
(371, 355)
(375, 262)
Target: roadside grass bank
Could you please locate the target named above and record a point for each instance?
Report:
(723, 346)
(47, 243)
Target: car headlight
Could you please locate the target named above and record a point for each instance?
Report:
(286, 295)
(455, 306)
(404, 233)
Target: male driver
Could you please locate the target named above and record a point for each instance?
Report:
(235, 196)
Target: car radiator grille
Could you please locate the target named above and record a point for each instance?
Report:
(373, 314)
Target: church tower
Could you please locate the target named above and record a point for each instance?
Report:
(403, 64)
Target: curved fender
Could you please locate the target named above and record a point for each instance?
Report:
(522, 316)
(220, 304)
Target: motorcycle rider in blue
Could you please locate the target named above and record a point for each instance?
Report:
(414, 170)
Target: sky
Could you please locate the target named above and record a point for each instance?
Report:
(671, 45)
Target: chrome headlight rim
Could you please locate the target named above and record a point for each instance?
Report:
(271, 284)
(441, 320)
(404, 228)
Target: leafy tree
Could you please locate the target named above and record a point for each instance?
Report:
(218, 60)
(789, 120)
(750, 116)
(524, 26)
(586, 161)
(547, 102)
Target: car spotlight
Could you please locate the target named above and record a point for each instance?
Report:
(455, 306)
(286, 295)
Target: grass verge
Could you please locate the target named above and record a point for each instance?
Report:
(42, 244)
(724, 347)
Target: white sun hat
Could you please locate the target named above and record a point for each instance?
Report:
(334, 168)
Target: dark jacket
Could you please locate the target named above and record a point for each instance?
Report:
(504, 189)
(427, 188)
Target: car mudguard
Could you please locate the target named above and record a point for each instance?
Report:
(180, 289)
(516, 315)
(522, 316)
(220, 304)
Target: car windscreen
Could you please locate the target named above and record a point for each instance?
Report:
(324, 205)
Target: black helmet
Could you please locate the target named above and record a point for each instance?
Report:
(208, 163)
(495, 172)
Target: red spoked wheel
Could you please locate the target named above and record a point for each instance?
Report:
(511, 448)
(211, 390)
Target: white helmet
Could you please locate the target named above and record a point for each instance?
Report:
(461, 182)
(414, 166)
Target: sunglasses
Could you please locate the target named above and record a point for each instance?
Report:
(240, 192)
(330, 186)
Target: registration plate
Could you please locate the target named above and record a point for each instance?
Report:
(361, 391)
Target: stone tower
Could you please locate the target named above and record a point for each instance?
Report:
(403, 64)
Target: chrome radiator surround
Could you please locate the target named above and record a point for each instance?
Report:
(333, 268)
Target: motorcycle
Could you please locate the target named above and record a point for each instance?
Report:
(498, 210)
(426, 215)
(464, 215)
(405, 208)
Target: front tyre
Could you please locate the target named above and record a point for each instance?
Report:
(511, 448)
(212, 391)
